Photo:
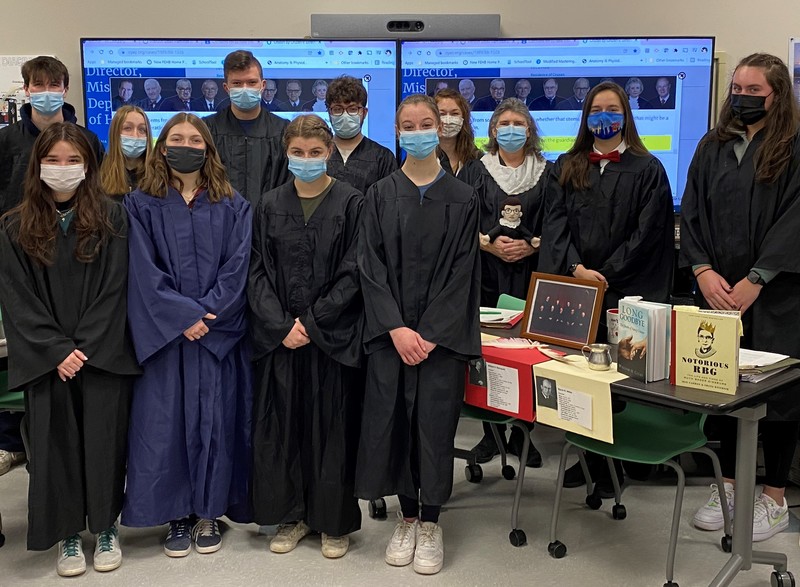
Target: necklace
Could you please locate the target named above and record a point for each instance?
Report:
(61, 215)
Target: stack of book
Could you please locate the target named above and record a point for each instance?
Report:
(644, 339)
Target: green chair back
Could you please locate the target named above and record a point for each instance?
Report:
(10, 401)
(507, 302)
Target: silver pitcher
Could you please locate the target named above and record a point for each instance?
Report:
(599, 357)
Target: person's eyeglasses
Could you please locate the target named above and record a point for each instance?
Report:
(339, 110)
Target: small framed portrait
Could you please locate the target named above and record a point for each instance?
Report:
(562, 310)
(546, 393)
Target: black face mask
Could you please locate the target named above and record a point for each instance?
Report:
(748, 109)
(185, 159)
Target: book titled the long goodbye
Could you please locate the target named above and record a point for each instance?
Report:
(706, 349)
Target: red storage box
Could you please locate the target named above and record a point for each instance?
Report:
(511, 393)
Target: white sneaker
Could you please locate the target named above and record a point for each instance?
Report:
(107, 552)
(288, 536)
(71, 561)
(9, 459)
(429, 556)
(335, 546)
(769, 518)
(709, 517)
(400, 550)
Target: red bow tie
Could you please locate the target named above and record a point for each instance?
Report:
(597, 157)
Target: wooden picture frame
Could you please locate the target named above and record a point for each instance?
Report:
(564, 311)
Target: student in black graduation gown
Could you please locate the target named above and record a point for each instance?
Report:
(513, 166)
(457, 148)
(609, 217)
(307, 316)
(355, 159)
(740, 216)
(64, 262)
(418, 256)
(129, 142)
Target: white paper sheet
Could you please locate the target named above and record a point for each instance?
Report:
(750, 358)
(503, 388)
(574, 406)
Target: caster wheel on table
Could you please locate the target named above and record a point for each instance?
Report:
(594, 501)
(509, 472)
(377, 509)
(618, 512)
(473, 473)
(726, 543)
(557, 549)
(781, 579)
(517, 537)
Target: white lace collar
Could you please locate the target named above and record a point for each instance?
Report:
(514, 180)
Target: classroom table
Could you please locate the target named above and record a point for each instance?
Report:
(748, 407)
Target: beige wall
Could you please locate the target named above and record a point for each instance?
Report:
(740, 27)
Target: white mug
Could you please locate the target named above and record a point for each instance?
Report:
(612, 322)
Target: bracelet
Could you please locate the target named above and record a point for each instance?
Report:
(703, 270)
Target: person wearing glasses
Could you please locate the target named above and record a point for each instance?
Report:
(580, 88)
(269, 101)
(355, 159)
(293, 91)
(497, 91)
(182, 101)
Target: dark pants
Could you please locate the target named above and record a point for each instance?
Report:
(10, 435)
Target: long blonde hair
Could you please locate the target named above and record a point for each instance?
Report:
(113, 173)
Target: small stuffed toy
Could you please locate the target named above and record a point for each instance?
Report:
(510, 224)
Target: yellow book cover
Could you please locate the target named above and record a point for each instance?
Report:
(707, 349)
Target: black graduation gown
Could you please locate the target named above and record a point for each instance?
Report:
(77, 429)
(308, 400)
(497, 276)
(734, 223)
(369, 162)
(622, 226)
(419, 268)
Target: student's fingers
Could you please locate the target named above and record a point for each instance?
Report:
(80, 355)
(725, 299)
(210, 317)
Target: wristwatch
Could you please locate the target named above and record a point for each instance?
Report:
(754, 278)
(573, 268)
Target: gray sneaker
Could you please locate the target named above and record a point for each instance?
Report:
(179, 538)
(288, 536)
(71, 561)
(429, 555)
(10, 459)
(107, 552)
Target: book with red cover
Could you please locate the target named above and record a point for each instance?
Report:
(505, 325)
(522, 360)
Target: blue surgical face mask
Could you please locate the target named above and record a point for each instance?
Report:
(245, 98)
(512, 138)
(47, 103)
(346, 126)
(419, 143)
(132, 147)
(605, 125)
(307, 169)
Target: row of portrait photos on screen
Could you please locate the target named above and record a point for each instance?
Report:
(308, 95)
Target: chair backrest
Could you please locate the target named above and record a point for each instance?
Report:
(10, 401)
(507, 302)
(653, 420)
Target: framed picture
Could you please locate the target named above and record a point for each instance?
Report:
(794, 64)
(562, 310)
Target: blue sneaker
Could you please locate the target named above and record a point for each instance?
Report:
(206, 536)
(179, 538)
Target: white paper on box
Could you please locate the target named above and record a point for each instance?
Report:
(574, 406)
(503, 388)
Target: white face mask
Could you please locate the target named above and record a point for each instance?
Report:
(451, 125)
(63, 178)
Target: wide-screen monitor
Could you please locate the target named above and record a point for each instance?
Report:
(668, 81)
(165, 76)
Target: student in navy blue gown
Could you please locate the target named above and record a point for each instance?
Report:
(609, 218)
(457, 148)
(356, 159)
(418, 255)
(740, 217)
(190, 420)
(306, 322)
(64, 263)
(513, 166)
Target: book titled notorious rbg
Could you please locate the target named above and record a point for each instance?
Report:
(706, 349)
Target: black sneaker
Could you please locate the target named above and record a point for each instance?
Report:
(206, 536)
(485, 450)
(603, 486)
(515, 443)
(573, 477)
(179, 538)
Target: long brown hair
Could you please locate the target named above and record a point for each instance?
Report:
(113, 173)
(465, 139)
(37, 211)
(575, 170)
(533, 144)
(158, 176)
(780, 124)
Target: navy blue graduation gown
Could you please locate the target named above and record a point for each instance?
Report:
(189, 448)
